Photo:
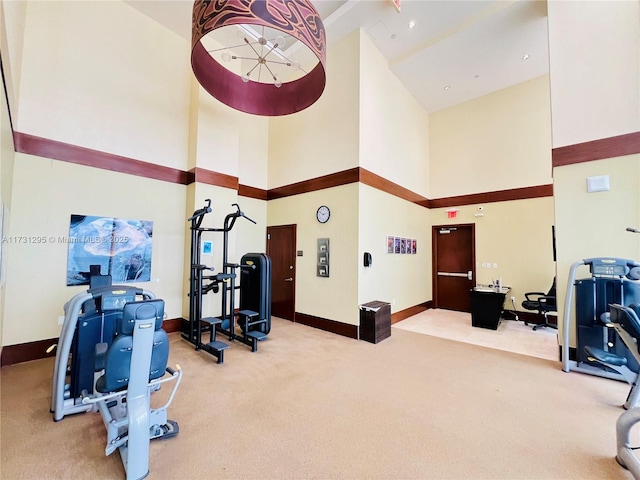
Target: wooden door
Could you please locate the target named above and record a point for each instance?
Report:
(454, 259)
(281, 248)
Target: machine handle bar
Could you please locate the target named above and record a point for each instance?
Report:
(87, 399)
(202, 212)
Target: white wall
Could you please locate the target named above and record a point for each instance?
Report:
(121, 90)
(12, 20)
(593, 224)
(322, 139)
(402, 280)
(495, 142)
(227, 141)
(45, 194)
(594, 58)
(336, 297)
(594, 51)
(109, 84)
(516, 236)
(7, 159)
(394, 128)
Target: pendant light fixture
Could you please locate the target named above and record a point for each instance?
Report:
(264, 57)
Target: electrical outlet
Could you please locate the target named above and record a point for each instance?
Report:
(60, 319)
(513, 299)
(495, 265)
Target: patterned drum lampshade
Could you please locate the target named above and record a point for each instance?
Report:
(264, 57)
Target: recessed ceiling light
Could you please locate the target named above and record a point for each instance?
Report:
(412, 23)
(525, 56)
(447, 87)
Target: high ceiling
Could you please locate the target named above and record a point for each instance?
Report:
(457, 50)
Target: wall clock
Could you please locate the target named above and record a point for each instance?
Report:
(323, 214)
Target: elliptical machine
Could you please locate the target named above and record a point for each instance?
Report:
(114, 351)
(625, 321)
(255, 311)
(599, 350)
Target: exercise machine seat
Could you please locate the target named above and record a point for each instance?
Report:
(117, 359)
(627, 318)
(543, 303)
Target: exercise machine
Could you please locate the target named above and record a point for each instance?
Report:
(132, 367)
(625, 321)
(89, 318)
(612, 281)
(255, 287)
(111, 354)
(255, 299)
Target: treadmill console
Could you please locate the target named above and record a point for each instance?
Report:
(113, 297)
(613, 267)
(116, 302)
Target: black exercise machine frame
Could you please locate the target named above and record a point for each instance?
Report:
(224, 324)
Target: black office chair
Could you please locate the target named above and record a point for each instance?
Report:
(543, 303)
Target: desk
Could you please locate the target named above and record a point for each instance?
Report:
(486, 306)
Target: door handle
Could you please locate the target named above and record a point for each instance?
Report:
(452, 274)
(288, 279)
(468, 275)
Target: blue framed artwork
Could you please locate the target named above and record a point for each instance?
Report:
(109, 246)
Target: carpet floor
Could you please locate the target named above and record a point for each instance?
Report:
(314, 405)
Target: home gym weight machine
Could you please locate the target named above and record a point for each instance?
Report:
(114, 351)
(255, 291)
(599, 350)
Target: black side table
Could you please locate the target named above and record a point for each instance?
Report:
(486, 306)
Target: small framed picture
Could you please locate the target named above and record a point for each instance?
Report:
(403, 245)
(396, 242)
(414, 246)
(390, 242)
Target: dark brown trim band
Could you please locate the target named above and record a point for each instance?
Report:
(252, 192)
(337, 179)
(25, 352)
(332, 326)
(209, 177)
(410, 312)
(387, 186)
(621, 145)
(44, 147)
(30, 144)
(533, 318)
(524, 193)
(172, 325)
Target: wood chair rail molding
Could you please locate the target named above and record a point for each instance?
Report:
(618, 146)
(43, 147)
(522, 193)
